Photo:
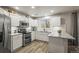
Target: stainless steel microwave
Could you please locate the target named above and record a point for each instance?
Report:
(24, 24)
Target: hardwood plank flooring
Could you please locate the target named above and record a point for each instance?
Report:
(34, 47)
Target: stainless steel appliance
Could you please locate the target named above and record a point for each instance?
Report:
(5, 31)
(26, 38)
(24, 24)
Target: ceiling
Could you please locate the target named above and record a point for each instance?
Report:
(39, 11)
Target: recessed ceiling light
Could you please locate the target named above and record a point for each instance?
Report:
(32, 15)
(51, 11)
(47, 17)
(16, 7)
(33, 7)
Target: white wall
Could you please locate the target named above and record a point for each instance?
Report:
(32, 22)
(67, 22)
(55, 21)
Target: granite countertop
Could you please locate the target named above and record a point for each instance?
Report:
(15, 34)
(63, 35)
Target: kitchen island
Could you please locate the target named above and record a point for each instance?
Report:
(58, 43)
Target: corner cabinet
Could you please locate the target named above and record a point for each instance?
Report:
(16, 42)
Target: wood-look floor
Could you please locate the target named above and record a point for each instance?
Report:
(34, 47)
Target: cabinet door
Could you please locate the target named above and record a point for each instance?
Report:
(37, 36)
(33, 35)
(14, 20)
(42, 36)
(17, 41)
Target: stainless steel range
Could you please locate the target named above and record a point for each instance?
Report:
(26, 38)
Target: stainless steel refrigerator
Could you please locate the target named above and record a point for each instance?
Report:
(5, 31)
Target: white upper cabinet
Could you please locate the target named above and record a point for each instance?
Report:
(14, 20)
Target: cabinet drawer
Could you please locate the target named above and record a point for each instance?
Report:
(15, 37)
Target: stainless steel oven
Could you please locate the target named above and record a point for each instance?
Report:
(26, 38)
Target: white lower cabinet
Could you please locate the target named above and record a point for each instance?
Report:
(43, 36)
(33, 37)
(16, 42)
(38, 35)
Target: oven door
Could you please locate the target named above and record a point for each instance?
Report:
(26, 39)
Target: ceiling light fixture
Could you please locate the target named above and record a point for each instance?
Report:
(16, 7)
(51, 11)
(32, 15)
(33, 7)
(47, 17)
